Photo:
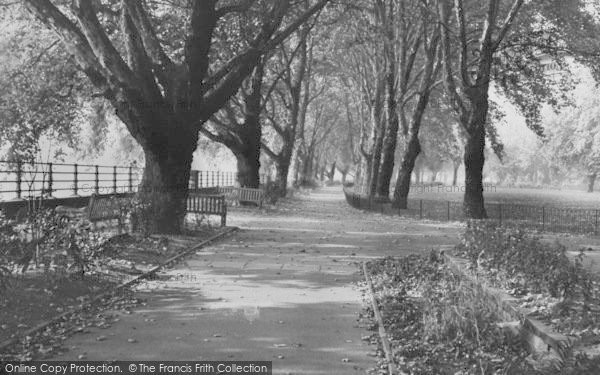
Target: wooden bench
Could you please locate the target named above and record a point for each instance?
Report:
(235, 194)
(208, 204)
(105, 207)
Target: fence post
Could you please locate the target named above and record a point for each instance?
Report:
(130, 179)
(448, 210)
(97, 179)
(115, 179)
(19, 179)
(75, 179)
(50, 179)
(200, 182)
(420, 209)
(596, 222)
(543, 218)
(218, 178)
(212, 178)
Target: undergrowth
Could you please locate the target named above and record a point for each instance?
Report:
(524, 261)
(443, 324)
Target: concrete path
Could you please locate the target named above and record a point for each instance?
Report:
(282, 289)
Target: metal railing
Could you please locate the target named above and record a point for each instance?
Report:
(19, 180)
(548, 219)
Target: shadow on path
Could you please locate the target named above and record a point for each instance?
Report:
(283, 289)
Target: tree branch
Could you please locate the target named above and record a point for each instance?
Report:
(103, 48)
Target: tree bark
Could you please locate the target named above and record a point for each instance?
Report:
(474, 159)
(375, 163)
(248, 167)
(164, 186)
(389, 143)
(413, 148)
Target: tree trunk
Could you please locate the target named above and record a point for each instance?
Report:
(455, 166)
(591, 182)
(248, 168)
(389, 141)
(164, 187)
(375, 163)
(248, 159)
(283, 167)
(413, 148)
(332, 172)
(474, 159)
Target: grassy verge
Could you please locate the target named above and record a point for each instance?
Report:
(441, 324)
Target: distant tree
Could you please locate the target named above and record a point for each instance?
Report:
(573, 137)
(40, 89)
(503, 42)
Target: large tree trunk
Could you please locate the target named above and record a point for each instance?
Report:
(413, 148)
(388, 153)
(164, 187)
(248, 160)
(389, 142)
(248, 168)
(375, 163)
(591, 182)
(474, 159)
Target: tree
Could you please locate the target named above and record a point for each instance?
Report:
(495, 46)
(416, 86)
(165, 95)
(573, 136)
(243, 139)
(40, 89)
(286, 111)
(470, 91)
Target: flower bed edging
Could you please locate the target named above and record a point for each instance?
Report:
(383, 337)
(542, 341)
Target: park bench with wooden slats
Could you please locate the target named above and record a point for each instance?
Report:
(208, 204)
(103, 207)
(235, 194)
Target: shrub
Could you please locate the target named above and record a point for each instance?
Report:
(47, 238)
(272, 192)
(524, 260)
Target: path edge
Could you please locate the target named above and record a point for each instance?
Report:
(383, 337)
(229, 230)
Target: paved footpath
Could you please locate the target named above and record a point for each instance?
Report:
(282, 289)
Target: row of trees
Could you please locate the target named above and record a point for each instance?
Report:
(362, 85)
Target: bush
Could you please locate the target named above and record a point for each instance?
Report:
(524, 260)
(272, 192)
(47, 238)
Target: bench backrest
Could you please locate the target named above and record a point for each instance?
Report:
(206, 204)
(105, 207)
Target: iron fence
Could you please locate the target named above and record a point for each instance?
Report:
(19, 180)
(549, 219)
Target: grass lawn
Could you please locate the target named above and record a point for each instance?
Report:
(537, 197)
